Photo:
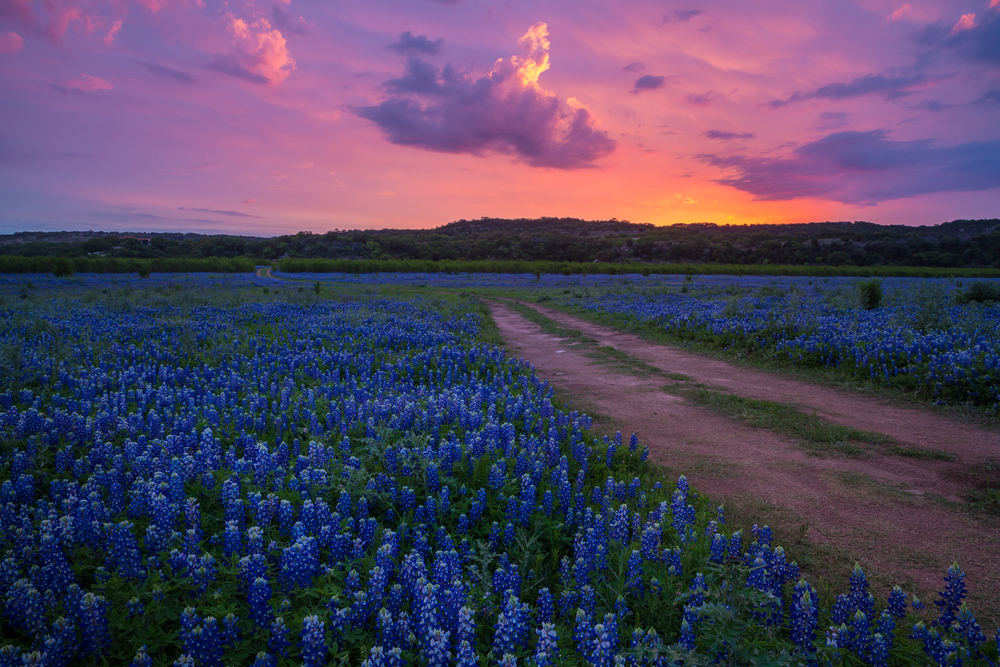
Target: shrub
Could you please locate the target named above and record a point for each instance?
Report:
(980, 292)
(871, 293)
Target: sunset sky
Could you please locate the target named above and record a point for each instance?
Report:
(273, 116)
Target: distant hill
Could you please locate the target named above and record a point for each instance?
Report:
(959, 243)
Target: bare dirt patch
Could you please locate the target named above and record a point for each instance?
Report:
(896, 516)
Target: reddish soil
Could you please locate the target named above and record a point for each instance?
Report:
(879, 510)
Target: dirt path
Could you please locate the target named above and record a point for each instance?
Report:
(874, 510)
(909, 426)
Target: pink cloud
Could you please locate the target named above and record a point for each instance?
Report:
(110, 37)
(87, 84)
(10, 42)
(900, 13)
(965, 23)
(505, 111)
(260, 53)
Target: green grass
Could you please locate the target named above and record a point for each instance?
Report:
(985, 500)
(816, 434)
(922, 453)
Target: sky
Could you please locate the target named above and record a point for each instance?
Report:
(266, 117)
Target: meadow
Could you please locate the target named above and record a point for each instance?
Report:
(214, 470)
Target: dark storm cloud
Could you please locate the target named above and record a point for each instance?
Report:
(865, 168)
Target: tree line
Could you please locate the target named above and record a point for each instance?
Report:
(960, 243)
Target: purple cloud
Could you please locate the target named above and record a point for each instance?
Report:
(232, 214)
(871, 84)
(865, 168)
(634, 67)
(168, 72)
(420, 44)
(288, 23)
(504, 111)
(702, 100)
(832, 120)
(681, 15)
(229, 64)
(990, 97)
(979, 43)
(727, 136)
(649, 82)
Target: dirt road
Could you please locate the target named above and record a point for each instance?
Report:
(880, 510)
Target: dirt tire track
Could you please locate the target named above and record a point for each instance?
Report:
(909, 426)
(909, 538)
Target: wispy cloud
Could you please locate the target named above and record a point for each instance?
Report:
(168, 72)
(85, 83)
(231, 214)
(870, 84)
(681, 15)
(288, 23)
(727, 136)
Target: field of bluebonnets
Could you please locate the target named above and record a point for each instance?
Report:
(209, 471)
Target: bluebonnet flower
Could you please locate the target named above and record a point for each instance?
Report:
(633, 443)
(545, 606)
(718, 548)
(466, 655)
(635, 578)
(967, 627)
(313, 642)
(141, 658)
(897, 602)
(880, 650)
(135, 608)
(278, 642)
(93, 615)
(497, 476)
(804, 617)
(466, 626)
(259, 601)
(204, 643)
(951, 596)
(583, 634)
(687, 639)
(437, 652)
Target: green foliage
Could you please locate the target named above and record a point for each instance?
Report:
(62, 267)
(979, 293)
(871, 293)
(357, 266)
